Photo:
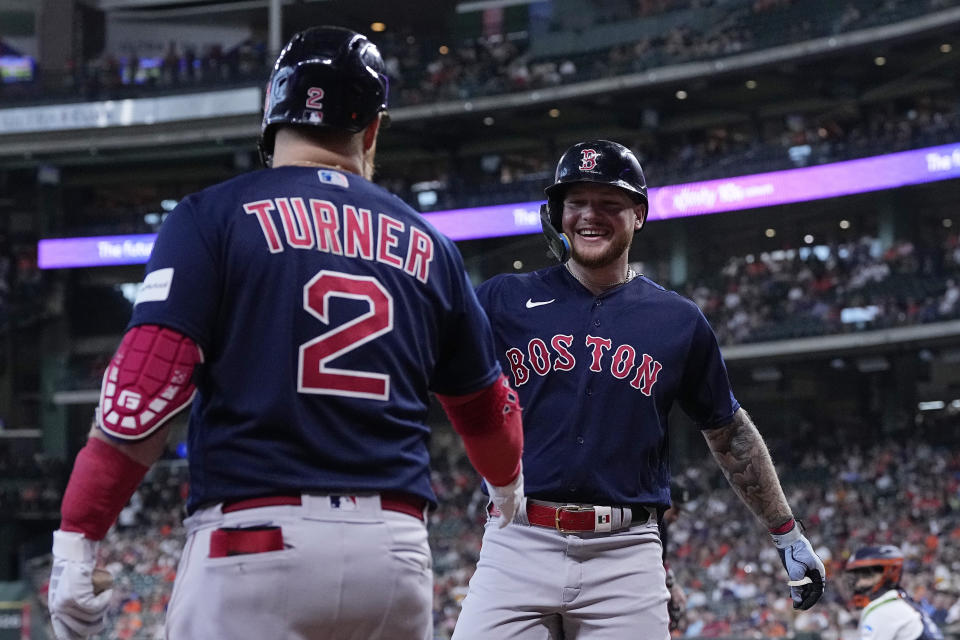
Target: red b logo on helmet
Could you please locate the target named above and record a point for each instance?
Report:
(588, 159)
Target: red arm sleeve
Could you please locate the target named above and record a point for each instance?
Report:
(489, 423)
(102, 481)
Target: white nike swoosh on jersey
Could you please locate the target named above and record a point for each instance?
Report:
(531, 304)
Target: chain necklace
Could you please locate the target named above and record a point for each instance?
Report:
(307, 163)
(631, 274)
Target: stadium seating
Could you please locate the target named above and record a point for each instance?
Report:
(850, 494)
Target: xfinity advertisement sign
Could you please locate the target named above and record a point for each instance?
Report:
(675, 201)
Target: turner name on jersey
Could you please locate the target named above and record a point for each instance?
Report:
(347, 230)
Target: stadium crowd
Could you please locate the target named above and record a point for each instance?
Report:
(31, 484)
(21, 282)
(852, 493)
(423, 69)
(855, 495)
(836, 288)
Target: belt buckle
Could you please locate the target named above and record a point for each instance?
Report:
(572, 508)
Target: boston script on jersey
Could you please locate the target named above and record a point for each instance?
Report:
(597, 376)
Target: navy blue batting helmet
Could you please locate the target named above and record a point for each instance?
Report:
(326, 77)
(597, 161)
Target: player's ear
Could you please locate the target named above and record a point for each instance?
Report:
(641, 212)
(370, 134)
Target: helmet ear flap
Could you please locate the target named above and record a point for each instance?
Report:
(555, 211)
(557, 241)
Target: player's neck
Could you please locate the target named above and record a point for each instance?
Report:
(297, 155)
(600, 279)
(308, 163)
(330, 164)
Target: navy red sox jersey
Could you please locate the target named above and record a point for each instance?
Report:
(326, 309)
(597, 376)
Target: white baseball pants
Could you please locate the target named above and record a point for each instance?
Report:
(347, 571)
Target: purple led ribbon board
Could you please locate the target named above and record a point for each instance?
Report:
(99, 251)
(674, 201)
(809, 183)
(732, 194)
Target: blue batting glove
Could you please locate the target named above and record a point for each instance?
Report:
(807, 574)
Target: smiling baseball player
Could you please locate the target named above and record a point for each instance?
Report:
(309, 312)
(599, 355)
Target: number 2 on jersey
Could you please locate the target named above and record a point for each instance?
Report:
(314, 374)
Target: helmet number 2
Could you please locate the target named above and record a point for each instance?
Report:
(314, 96)
(315, 375)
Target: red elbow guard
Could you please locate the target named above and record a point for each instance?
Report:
(148, 381)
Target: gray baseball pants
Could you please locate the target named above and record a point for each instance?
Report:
(535, 583)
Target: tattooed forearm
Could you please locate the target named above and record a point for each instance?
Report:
(743, 456)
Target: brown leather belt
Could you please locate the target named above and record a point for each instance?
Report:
(389, 501)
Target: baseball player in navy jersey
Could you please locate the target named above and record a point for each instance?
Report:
(306, 313)
(599, 355)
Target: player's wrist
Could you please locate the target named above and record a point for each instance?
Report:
(516, 479)
(783, 528)
(511, 487)
(786, 534)
(73, 546)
